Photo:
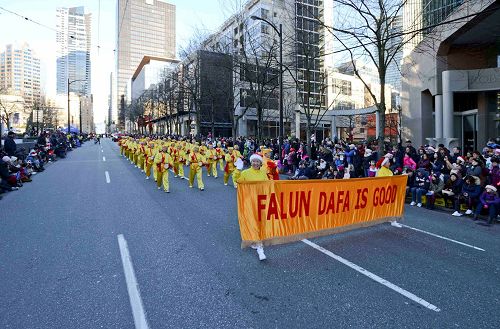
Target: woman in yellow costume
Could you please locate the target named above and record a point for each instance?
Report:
(163, 162)
(255, 174)
(212, 161)
(196, 161)
(148, 159)
(220, 155)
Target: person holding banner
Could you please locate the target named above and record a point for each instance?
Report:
(384, 170)
(255, 174)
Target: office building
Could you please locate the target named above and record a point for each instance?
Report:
(451, 83)
(20, 73)
(144, 28)
(73, 50)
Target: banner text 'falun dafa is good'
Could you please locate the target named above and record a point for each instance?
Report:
(276, 212)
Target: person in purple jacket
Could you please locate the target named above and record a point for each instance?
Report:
(488, 200)
(494, 172)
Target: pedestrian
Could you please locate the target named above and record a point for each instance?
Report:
(10, 146)
(254, 174)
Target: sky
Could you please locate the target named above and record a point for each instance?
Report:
(191, 15)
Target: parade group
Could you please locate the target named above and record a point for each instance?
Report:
(158, 157)
(461, 179)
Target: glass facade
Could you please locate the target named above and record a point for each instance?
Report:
(144, 28)
(309, 61)
(436, 11)
(73, 49)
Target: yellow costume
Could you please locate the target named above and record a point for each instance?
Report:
(212, 161)
(163, 162)
(252, 175)
(196, 161)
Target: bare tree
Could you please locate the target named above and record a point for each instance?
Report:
(367, 30)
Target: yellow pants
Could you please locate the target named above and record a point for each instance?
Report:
(221, 164)
(147, 169)
(212, 169)
(163, 180)
(226, 175)
(155, 173)
(195, 171)
(140, 161)
(236, 176)
(179, 169)
(121, 150)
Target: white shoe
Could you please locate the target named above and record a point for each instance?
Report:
(225, 184)
(419, 205)
(396, 224)
(260, 252)
(147, 177)
(167, 191)
(456, 214)
(34, 173)
(468, 212)
(159, 188)
(413, 203)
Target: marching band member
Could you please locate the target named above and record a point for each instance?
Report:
(268, 165)
(220, 155)
(236, 173)
(149, 158)
(229, 168)
(196, 161)
(212, 161)
(163, 161)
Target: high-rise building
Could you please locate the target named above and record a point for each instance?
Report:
(20, 73)
(393, 74)
(450, 85)
(420, 17)
(73, 50)
(306, 49)
(144, 28)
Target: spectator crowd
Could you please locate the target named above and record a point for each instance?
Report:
(18, 166)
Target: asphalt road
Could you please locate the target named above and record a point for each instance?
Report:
(61, 265)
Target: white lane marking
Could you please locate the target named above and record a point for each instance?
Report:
(133, 288)
(443, 237)
(104, 159)
(102, 151)
(374, 277)
(108, 180)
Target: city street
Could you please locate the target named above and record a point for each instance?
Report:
(91, 243)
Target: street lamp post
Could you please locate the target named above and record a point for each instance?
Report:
(69, 115)
(281, 125)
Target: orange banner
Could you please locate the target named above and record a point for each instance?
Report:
(276, 212)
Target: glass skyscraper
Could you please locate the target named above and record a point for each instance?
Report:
(144, 28)
(73, 50)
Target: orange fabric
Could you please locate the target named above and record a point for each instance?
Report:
(276, 212)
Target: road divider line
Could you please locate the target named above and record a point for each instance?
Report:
(132, 287)
(374, 277)
(104, 159)
(108, 180)
(443, 237)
